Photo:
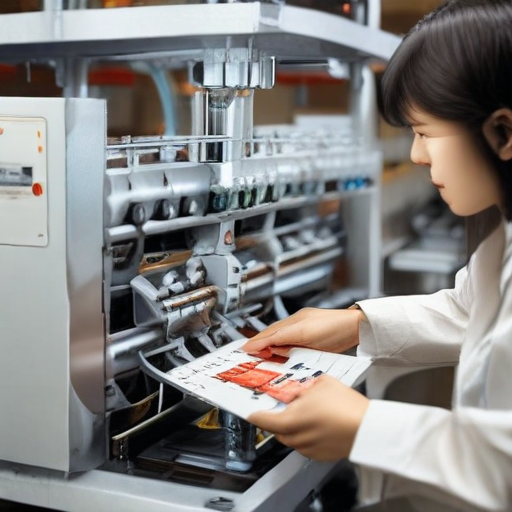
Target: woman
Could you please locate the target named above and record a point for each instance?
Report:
(451, 82)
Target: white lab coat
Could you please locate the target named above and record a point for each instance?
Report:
(459, 459)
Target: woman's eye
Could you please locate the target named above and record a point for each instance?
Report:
(417, 134)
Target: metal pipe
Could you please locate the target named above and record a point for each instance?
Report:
(258, 270)
(374, 13)
(188, 298)
(288, 268)
(53, 5)
(122, 351)
(240, 442)
(76, 83)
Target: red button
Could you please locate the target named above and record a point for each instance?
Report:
(37, 189)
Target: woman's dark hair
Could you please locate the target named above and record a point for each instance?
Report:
(456, 64)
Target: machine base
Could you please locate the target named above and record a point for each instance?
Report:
(283, 488)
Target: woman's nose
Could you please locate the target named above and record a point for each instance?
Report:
(419, 155)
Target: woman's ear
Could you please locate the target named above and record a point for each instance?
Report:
(497, 130)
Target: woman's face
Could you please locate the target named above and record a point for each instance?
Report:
(465, 179)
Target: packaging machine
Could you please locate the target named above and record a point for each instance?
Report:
(123, 258)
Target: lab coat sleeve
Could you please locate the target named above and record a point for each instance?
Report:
(417, 329)
(465, 454)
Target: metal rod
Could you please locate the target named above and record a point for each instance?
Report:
(52, 5)
(131, 341)
(122, 352)
(76, 84)
(188, 298)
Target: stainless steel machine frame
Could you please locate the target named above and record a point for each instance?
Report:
(59, 360)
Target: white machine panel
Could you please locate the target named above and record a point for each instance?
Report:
(23, 181)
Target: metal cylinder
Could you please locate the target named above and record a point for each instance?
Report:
(53, 5)
(122, 350)
(223, 112)
(239, 442)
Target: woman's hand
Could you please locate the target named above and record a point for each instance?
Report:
(321, 423)
(330, 330)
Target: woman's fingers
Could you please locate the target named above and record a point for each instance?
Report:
(279, 333)
(288, 430)
(287, 334)
(275, 422)
(258, 346)
(322, 329)
(288, 422)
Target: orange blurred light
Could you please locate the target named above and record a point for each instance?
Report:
(117, 3)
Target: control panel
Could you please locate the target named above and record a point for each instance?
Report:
(23, 182)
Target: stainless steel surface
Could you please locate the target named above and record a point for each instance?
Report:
(122, 349)
(85, 164)
(172, 31)
(223, 112)
(282, 490)
(85, 123)
(52, 364)
(234, 68)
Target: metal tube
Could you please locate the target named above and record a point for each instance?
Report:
(374, 13)
(240, 442)
(189, 298)
(76, 84)
(319, 258)
(122, 351)
(53, 5)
